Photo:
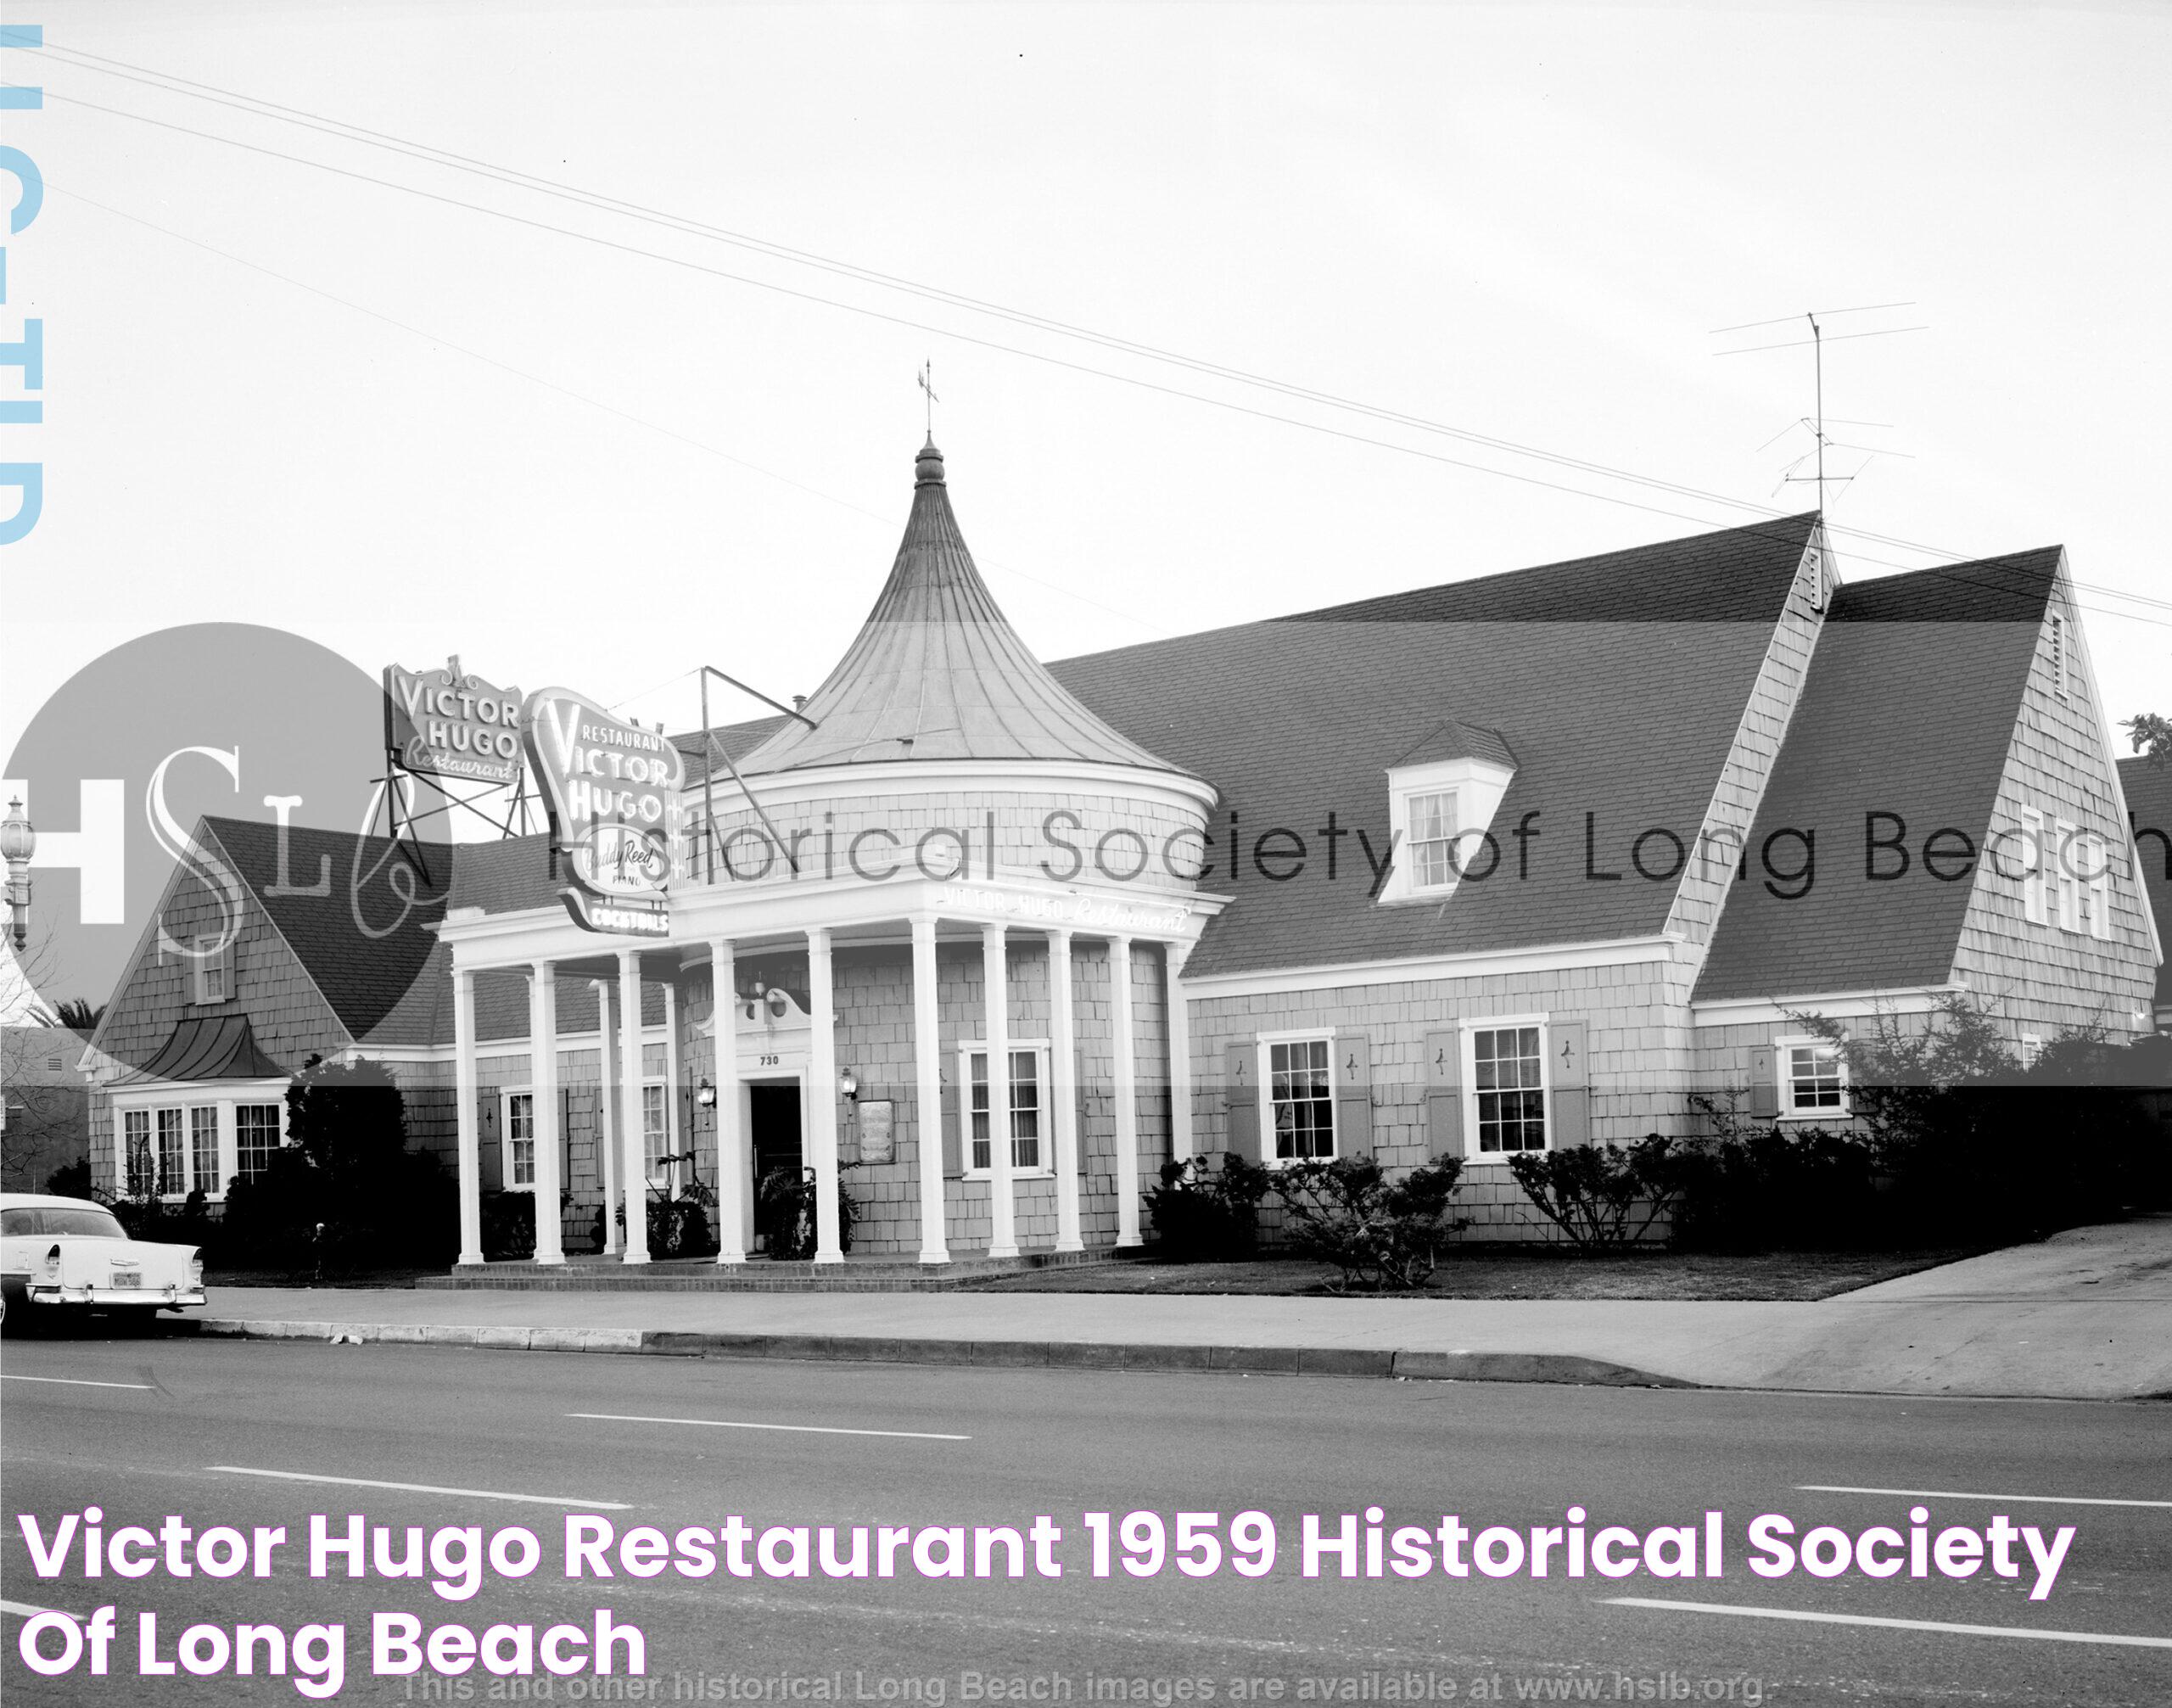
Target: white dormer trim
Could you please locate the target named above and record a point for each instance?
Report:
(1477, 785)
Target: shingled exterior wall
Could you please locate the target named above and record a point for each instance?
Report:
(1715, 862)
(2042, 979)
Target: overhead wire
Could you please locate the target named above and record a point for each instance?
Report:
(521, 179)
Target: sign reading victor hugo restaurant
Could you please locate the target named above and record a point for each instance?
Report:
(613, 790)
(443, 724)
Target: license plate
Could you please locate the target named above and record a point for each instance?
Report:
(128, 1278)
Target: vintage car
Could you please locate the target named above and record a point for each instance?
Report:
(71, 1252)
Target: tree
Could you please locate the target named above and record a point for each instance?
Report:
(2151, 735)
(78, 1015)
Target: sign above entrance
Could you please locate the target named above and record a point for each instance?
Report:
(613, 790)
(443, 724)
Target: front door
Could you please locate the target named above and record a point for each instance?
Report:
(774, 1139)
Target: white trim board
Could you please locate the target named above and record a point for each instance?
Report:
(1837, 1005)
(1626, 951)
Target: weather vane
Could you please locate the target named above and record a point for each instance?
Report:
(927, 385)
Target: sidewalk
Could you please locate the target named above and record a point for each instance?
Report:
(2085, 1315)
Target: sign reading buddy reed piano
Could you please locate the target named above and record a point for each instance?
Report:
(613, 788)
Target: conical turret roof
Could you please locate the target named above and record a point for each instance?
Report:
(937, 673)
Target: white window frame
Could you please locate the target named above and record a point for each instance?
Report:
(1043, 1170)
(1784, 1066)
(666, 1181)
(190, 1109)
(279, 1125)
(1263, 1071)
(203, 966)
(222, 1097)
(1477, 785)
(2032, 1050)
(505, 1095)
(1469, 1045)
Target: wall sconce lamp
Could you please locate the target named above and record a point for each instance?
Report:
(706, 1095)
(849, 1085)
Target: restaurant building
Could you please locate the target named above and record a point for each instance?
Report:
(1510, 864)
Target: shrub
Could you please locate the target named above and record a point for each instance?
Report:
(345, 1193)
(1376, 1232)
(679, 1224)
(70, 1180)
(1201, 1212)
(1603, 1194)
(785, 1209)
(1764, 1189)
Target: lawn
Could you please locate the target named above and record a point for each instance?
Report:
(1511, 1271)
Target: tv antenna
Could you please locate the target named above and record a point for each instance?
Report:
(1816, 423)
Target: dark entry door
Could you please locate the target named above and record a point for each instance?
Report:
(773, 1132)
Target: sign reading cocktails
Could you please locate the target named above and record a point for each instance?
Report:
(443, 724)
(613, 789)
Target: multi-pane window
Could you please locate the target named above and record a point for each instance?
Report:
(520, 1139)
(257, 1136)
(210, 970)
(1025, 1109)
(656, 1132)
(1815, 1080)
(135, 1151)
(1302, 1094)
(173, 1160)
(1509, 1073)
(203, 1147)
(1432, 839)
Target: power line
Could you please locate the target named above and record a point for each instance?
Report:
(343, 129)
(1128, 379)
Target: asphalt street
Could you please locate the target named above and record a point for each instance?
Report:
(144, 1429)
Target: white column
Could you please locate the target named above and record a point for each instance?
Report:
(543, 1083)
(1124, 1091)
(732, 1168)
(679, 1142)
(1174, 956)
(463, 1094)
(1063, 1091)
(822, 1096)
(633, 1166)
(1003, 1207)
(927, 1096)
(606, 1112)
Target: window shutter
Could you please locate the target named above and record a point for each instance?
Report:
(1764, 1085)
(2100, 889)
(2033, 867)
(1570, 1085)
(1444, 1094)
(2066, 853)
(487, 1146)
(953, 1149)
(1240, 1069)
(1353, 1094)
(1079, 1098)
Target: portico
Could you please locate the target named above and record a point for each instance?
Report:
(944, 888)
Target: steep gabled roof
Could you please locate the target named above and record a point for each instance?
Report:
(937, 672)
(2148, 788)
(362, 944)
(1617, 682)
(1456, 739)
(1909, 708)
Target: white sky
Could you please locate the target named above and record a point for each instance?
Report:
(1521, 221)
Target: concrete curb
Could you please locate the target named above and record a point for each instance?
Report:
(1299, 1361)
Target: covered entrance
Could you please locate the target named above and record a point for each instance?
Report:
(774, 1135)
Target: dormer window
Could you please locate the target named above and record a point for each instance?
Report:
(1441, 797)
(1430, 834)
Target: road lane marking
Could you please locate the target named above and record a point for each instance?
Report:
(426, 1488)
(77, 1382)
(792, 1429)
(1956, 1494)
(1892, 1624)
(25, 1610)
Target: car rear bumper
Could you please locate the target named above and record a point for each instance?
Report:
(174, 1297)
